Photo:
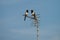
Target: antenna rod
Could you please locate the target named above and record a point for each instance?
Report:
(37, 32)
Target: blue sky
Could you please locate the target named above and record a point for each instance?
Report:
(13, 26)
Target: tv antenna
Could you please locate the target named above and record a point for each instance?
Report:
(35, 20)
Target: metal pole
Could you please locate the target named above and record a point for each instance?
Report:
(37, 32)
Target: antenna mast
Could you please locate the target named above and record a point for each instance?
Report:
(36, 23)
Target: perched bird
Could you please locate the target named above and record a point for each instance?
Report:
(33, 14)
(26, 14)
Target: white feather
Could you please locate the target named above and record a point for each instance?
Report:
(26, 13)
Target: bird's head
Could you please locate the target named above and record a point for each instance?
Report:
(26, 12)
(32, 12)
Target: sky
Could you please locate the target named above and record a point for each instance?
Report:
(13, 26)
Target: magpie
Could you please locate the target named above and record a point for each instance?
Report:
(26, 14)
(33, 14)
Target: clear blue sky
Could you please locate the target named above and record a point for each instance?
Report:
(13, 26)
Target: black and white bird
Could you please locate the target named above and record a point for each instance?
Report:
(33, 14)
(26, 14)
